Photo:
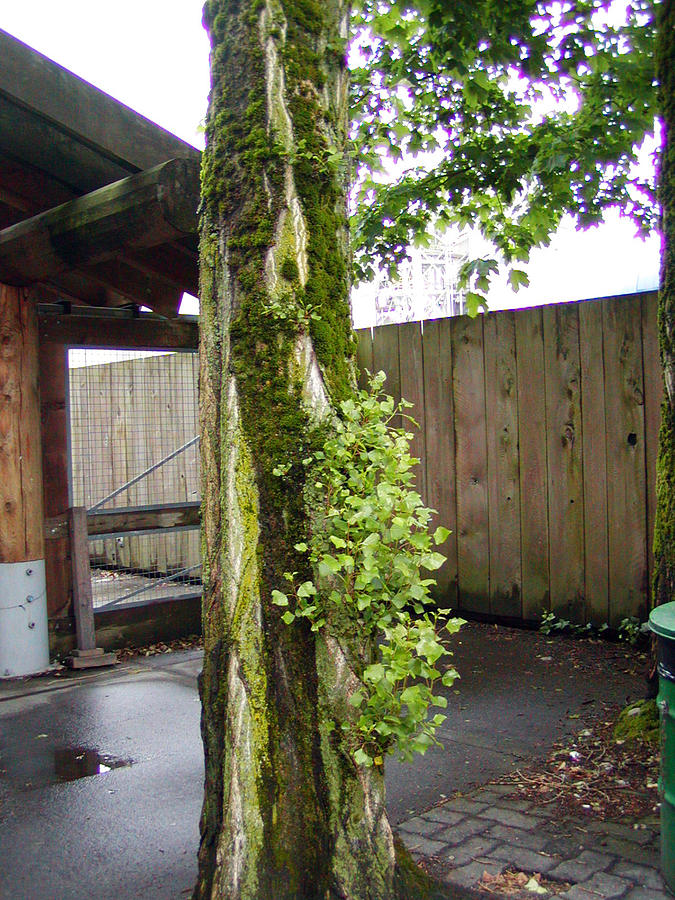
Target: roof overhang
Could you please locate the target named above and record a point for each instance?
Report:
(62, 139)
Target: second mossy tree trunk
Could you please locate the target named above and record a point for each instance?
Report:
(664, 530)
(287, 813)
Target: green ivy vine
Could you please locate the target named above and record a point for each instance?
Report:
(369, 549)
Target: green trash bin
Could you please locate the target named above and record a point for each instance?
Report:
(662, 623)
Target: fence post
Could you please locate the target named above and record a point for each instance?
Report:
(87, 655)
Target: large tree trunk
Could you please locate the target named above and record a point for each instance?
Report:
(664, 532)
(287, 813)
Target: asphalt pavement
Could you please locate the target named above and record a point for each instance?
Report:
(101, 772)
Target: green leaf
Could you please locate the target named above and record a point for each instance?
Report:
(328, 565)
(518, 278)
(279, 598)
(361, 758)
(441, 535)
(288, 617)
(449, 677)
(432, 561)
(374, 673)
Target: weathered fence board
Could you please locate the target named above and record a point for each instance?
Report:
(596, 574)
(364, 356)
(386, 359)
(540, 452)
(411, 373)
(533, 463)
(562, 379)
(473, 569)
(501, 414)
(626, 495)
(440, 445)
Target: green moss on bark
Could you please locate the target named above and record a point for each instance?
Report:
(664, 529)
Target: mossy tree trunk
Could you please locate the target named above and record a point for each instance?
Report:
(664, 531)
(287, 813)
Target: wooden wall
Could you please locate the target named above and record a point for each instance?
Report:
(537, 440)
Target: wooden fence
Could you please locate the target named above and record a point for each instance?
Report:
(125, 418)
(537, 440)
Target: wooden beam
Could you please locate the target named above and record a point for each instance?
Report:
(174, 263)
(123, 521)
(138, 212)
(80, 118)
(107, 331)
(112, 284)
(21, 509)
(118, 278)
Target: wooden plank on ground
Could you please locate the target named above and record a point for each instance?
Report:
(564, 449)
(653, 378)
(471, 464)
(440, 447)
(595, 461)
(533, 465)
(364, 355)
(626, 478)
(411, 370)
(501, 412)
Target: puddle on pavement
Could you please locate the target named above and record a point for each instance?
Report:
(44, 765)
(71, 763)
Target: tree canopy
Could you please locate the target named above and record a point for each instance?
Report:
(500, 116)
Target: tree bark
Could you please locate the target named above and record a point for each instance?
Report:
(664, 530)
(287, 813)
(663, 582)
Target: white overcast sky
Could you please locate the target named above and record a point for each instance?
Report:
(153, 56)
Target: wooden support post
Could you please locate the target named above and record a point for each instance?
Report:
(54, 420)
(23, 651)
(87, 654)
(21, 510)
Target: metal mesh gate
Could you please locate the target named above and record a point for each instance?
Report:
(134, 447)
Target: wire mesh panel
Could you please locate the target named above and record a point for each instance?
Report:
(134, 444)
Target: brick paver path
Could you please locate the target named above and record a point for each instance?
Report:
(487, 831)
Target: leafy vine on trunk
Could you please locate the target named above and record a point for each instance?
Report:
(368, 544)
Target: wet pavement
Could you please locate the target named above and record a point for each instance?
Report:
(130, 828)
(126, 833)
